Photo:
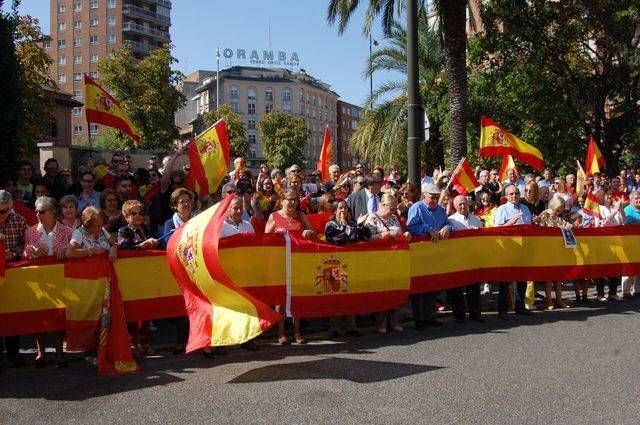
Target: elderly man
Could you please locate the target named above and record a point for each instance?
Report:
(367, 201)
(512, 213)
(463, 220)
(12, 229)
(514, 179)
(427, 218)
(632, 214)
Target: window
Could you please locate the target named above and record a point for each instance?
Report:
(111, 21)
(251, 124)
(62, 78)
(354, 123)
(62, 8)
(268, 94)
(46, 44)
(62, 60)
(251, 108)
(235, 107)
(77, 94)
(111, 4)
(77, 129)
(286, 108)
(62, 26)
(93, 22)
(93, 39)
(77, 7)
(93, 4)
(77, 112)
(77, 25)
(77, 59)
(301, 95)
(93, 58)
(77, 41)
(77, 76)
(251, 94)
(268, 108)
(111, 39)
(62, 44)
(286, 95)
(93, 74)
(234, 92)
(93, 129)
(252, 153)
(252, 139)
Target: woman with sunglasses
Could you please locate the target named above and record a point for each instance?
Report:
(47, 238)
(288, 219)
(407, 198)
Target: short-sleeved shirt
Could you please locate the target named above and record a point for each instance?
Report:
(632, 214)
(505, 212)
(229, 229)
(83, 239)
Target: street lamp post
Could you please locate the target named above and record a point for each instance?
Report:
(413, 99)
(218, 78)
(372, 43)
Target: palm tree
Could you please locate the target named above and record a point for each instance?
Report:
(381, 136)
(453, 17)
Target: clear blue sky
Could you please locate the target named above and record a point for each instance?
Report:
(198, 26)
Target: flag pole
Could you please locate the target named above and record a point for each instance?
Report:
(88, 126)
(455, 172)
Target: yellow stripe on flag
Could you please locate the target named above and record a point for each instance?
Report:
(32, 288)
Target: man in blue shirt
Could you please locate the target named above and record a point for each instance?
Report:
(512, 213)
(632, 211)
(427, 218)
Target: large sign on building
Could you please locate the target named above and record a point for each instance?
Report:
(262, 57)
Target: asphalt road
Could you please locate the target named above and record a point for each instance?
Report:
(573, 366)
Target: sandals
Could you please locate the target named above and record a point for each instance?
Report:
(283, 340)
(300, 339)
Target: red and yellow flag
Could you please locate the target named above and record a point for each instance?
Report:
(220, 312)
(581, 179)
(592, 205)
(496, 141)
(464, 180)
(506, 165)
(209, 157)
(102, 108)
(595, 160)
(326, 155)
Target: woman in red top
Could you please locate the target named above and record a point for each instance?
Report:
(289, 220)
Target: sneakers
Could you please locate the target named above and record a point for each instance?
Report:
(485, 289)
(613, 298)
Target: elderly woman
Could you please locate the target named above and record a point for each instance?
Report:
(113, 214)
(182, 203)
(136, 234)
(47, 238)
(69, 210)
(554, 216)
(560, 189)
(408, 196)
(288, 219)
(384, 224)
(91, 238)
(341, 228)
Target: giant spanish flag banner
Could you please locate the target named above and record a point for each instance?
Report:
(496, 141)
(220, 312)
(464, 179)
(102, 108)
(330, 280)
(209, 157)
(595, 160)
(326, 155)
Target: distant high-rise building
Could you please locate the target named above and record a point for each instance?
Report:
(85, 31)
(348, 117)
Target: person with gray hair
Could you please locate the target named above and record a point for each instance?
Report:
(228, 189)
(47, 238)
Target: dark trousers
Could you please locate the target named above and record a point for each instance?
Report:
(612, 282)
(423, 306)
(12, 346)
(521, 291)
(457, 298)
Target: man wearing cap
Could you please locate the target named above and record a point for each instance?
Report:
(427, 218)
(512, 213)
(367, 201)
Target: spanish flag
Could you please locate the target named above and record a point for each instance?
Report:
(326, 154)
(220, 313)
(496, 141)
(581, 179)
(592, 205)
(102, 108)
(209, 157)
(595, 160)
(506, 165)
(464, 179)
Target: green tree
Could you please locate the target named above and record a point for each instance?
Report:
(284, 138)
(452, 23)
(146, 90)
(238, 143)
(556, 72)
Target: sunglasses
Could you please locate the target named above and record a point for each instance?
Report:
(229, 192)
(39, 212)
(134, 213)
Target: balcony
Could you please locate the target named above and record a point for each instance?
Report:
(165, 3)
(150, 32)
(138, 12)
(136, 46)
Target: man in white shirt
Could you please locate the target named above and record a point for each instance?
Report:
(514, 179)
(463, 220)
(234, 224)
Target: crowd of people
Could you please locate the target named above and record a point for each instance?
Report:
(82, 213)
